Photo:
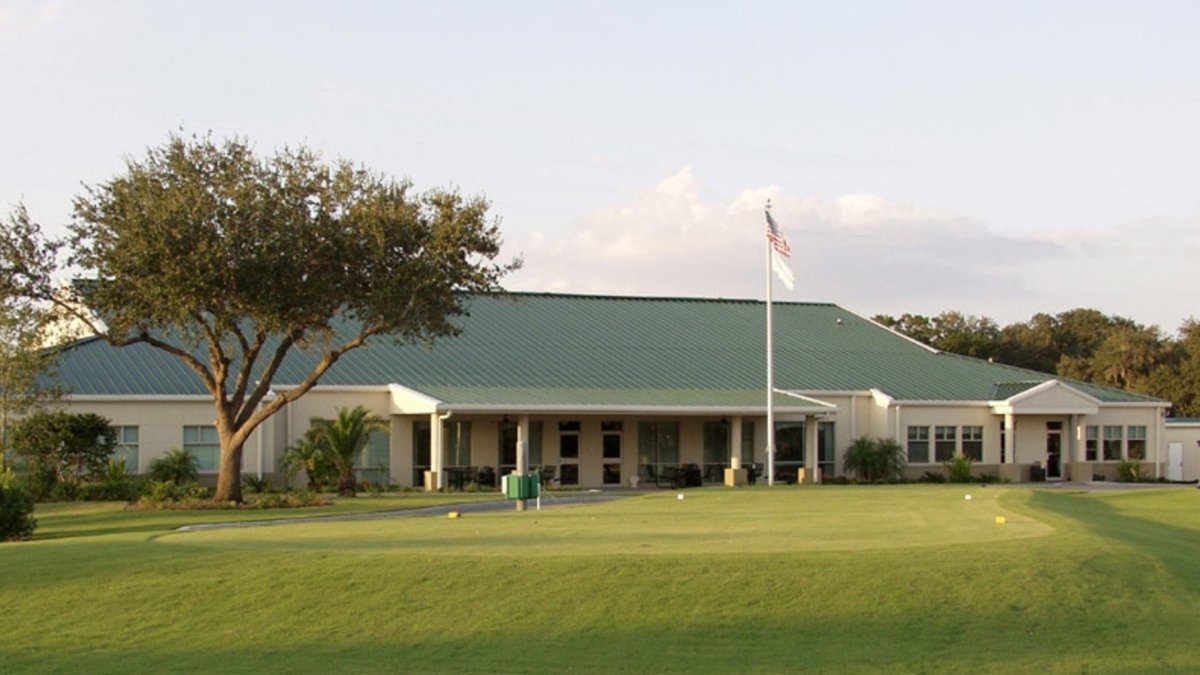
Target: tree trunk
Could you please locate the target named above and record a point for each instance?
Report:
(347, 486)
(229, 476)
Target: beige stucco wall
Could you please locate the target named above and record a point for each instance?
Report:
(161, 428)
(1189, 436)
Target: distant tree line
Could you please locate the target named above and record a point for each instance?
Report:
(1084, 344)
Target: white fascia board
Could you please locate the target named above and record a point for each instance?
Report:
(1052, 384)
(406, 401)
(468, 409)
(897, 333)
(1006, 409)
(815, 401)
(882, 399)
(942, 404)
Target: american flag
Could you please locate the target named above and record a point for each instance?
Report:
(776, 238)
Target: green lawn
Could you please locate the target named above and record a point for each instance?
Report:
(837, 579)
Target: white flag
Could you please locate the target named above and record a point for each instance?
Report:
(780, 252)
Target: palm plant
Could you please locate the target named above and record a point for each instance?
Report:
(874, 459)
(177, 466)
(343, 439)
(308, 454)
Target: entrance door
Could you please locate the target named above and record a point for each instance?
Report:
(1175, 461)
(1054, 450)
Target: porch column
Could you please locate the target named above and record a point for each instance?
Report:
(437, 459)
(1079, 469)
(522, 452)
(1010, 445)
(812, 473)
(735, 443)
(1073, 439)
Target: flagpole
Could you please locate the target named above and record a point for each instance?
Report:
(770, 369)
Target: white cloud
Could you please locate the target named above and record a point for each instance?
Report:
(865, 252)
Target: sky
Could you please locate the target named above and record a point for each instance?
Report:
(994, 158)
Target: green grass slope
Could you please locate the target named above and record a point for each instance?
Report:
(829, 579)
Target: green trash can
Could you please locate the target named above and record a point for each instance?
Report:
(521, 487)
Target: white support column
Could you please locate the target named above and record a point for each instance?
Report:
(522, 452)
(1010, 445)
(437, 458)
(735, 443)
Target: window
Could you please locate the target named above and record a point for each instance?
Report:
(372, 463)
(1091, 444)
(658, 447)
(918, 445)
(716, 450)
(127, 447)
(825, 448)
(456, 440)
(568, 452)
(610, 441)
(972, 443)
(421, 454)
(945, 443)
(204, 445)
(789, 451)
(1137, 443)
(508, 446)
(610, 433)
(1112, 444)
(568, 440)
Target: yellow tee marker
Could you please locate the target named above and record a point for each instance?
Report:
(455, 514)
(1000, 520)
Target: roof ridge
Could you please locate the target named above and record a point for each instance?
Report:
(660, 298)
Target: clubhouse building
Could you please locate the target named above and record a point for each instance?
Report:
(630, 391)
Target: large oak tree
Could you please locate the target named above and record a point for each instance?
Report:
(229, 261)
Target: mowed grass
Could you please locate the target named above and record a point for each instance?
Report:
(833, 579)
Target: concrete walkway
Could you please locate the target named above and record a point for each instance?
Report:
(440, 510)
(1107, 486)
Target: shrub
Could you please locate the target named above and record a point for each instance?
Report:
(63, 447)
(958, 469)
(1129, 471)
(874, 459)
(16, 513)
(256, 484)
(177, 466)
(933, 477)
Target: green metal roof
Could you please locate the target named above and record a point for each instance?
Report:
(595, 348)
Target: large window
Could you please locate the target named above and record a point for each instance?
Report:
(610, 440)
(1112, 444)
(508, 446)
(204, 445)
(127, 447)
(825, 449)
(945, 443)
(456, 441)
(372, 463)
(658, 447)
(421, 454)
(918, 445)
(568, 452)
(1136, 448)
(1091, 444)
(972, 443)
(789, 451)
(716, 450)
